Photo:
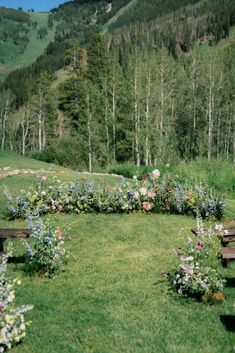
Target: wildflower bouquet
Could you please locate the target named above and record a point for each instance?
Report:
(45, 248)
(12, 322)
(196, 275)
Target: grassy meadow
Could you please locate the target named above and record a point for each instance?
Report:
(10, 56)
(112, 296)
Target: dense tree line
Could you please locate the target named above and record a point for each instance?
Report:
(159, 110)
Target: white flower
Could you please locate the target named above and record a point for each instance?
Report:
(156, 174)
(136, 195)
(219, 227)
(143, 191)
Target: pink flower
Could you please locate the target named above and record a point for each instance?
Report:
(44, 178)
(199, 245)
(187, 269)
(147, 206)
(151, 194)
(169, 190)
(1, 306)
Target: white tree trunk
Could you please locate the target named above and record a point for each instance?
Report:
(5, 117)
(147, 118)
(211, 102)
(114, 119)
(89, 120)
(136, 119)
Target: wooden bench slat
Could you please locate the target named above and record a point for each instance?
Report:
(228, 238)
(228, 253)
(14, 233)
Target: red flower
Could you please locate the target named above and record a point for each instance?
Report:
(145, 176)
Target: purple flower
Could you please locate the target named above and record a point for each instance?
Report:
(169, 190)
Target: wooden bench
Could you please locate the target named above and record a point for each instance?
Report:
(227, 253)
(12, 233)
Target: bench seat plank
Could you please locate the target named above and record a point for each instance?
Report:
(227, 254)
(14, 233)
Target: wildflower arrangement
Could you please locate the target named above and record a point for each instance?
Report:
(196, 274)
(155, 193)
(45, 248)
(12, 321)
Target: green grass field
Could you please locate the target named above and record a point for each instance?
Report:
(10, 54)
(112, 296)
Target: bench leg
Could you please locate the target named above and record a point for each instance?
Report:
(225, 262)
(1, 245)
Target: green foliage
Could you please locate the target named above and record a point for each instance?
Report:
(217, 174)
(175, 25)
(148, 10)
(14, 15)
(65, 151)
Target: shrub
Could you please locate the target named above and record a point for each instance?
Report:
(12, 322)
(65, 151)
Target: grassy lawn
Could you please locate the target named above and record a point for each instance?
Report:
(112, 296)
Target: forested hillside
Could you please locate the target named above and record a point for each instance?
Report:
(158, 87)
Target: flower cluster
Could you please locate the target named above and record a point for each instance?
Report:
(12, 322)
(153, 194)
(196, 275)
(45, 248)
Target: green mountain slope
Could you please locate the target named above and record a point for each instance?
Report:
(23, 37)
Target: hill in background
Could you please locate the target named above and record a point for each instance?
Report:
(23, 36)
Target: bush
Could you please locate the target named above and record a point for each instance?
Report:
(64, 151)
